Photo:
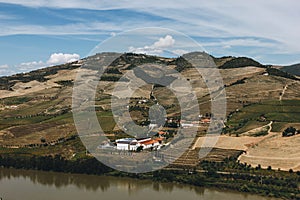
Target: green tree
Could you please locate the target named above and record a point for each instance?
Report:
(289, 132)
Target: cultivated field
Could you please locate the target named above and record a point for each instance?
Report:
(37, 106)
(271, 150)
(277, 152)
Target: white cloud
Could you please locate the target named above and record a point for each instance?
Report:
(4, 66)
(156, 48)
(180, 51)
(165, 42)
(54, 59)
(248, 42)
(60, 58)
(6, 70)
(3, 72)
(28, 66)
(4, 16)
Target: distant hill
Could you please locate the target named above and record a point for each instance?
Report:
(292, 69)
(7, 82)
(222, 60)
(281, 73)
(239, 62)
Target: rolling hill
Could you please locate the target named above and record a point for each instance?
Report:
(36, 113)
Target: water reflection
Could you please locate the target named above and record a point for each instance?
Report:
(88, 182)
(36, 185)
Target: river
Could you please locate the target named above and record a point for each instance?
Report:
(37, 185)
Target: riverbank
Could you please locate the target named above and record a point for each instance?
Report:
(281, 185)
(52, 185)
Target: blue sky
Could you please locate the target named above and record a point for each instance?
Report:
(39, 33)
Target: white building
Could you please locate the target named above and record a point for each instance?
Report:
(149, 144)
(131, 144)
(127, 144)
(186, 125)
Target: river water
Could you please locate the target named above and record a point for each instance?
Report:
(36, 185)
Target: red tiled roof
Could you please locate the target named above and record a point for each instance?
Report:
(148, 142)
(162, 133)
(205, 120)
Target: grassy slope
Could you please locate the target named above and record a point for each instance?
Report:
(280, 113)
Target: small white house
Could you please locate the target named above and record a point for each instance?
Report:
(186, 125)
(149, 144)
(152, 126)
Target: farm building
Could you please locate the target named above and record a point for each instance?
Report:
(128, 144)
(131, 144)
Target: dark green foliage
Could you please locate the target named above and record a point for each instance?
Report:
(130, 67)
(290, 131)
(240, 62)
(65, 82)
(135, 59)
(113, 78)
(280, 112)
(277, 72)
(172, 124)
(112, 70)
(260, 133)
(181, 64)
(16, 100)
(140, 148)
(164, 80)
(55, 163)
(241, 81)
(263, 182)
(293, 69)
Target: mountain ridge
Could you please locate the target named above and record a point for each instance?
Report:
(225, 62)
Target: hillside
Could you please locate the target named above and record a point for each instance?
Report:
(292, 69)
(238, 62)
(35, 107)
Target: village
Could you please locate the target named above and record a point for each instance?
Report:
(160, 136)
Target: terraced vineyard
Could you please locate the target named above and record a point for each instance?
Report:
(35, 107)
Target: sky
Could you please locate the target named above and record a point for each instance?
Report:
(40, 33)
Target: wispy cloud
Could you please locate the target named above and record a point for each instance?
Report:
(6, 70)
(270, 26)
(4, 66)
(274, 19)
(28, 66)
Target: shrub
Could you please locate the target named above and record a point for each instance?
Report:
(290, 131)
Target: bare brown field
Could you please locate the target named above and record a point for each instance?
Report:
(32, 134)
(277, 152)
(219, 155)
(228, 142)
(271, 150)
(20, 88)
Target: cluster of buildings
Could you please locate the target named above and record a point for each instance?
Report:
(202, 121)
(187, 124)
(133, 144)
(137, 144)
